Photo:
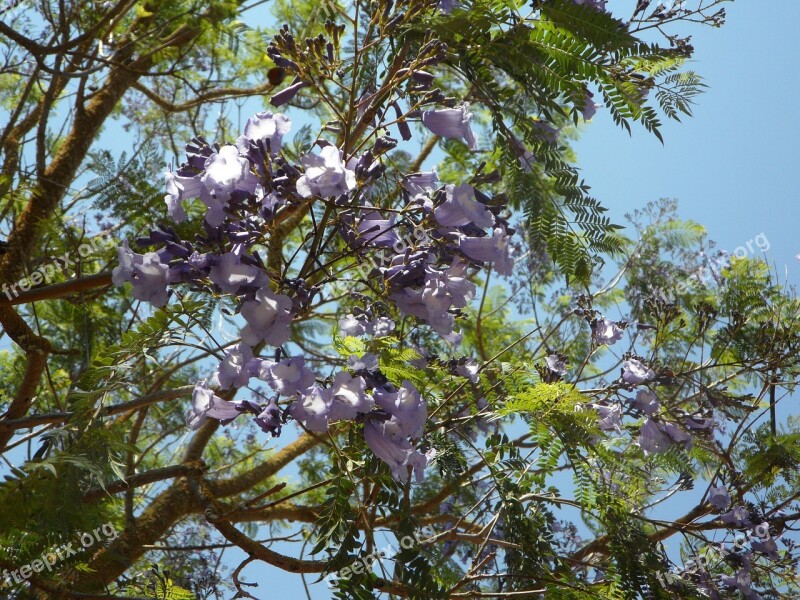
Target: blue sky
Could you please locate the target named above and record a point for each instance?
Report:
(730, 166)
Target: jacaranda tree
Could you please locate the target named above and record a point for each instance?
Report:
(370, 328)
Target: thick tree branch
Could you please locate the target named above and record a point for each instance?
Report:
(114, 409)
(58, 290)
(241, 483)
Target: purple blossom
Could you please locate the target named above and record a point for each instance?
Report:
(392, 450)
(597, 4)
(606, 332)
(287, 93)
(348, 397)
(422, 183)
(452, 283)
(356, 327)
(180, 188)
(229, 273)
(635, 372)
(289, 376)
(493, 249)
(312, 409)
(556, 364)
(374, 230)
(325, 174)
(469, 369)
(739, 516)
(350, 325)
(205, 404)
(224, 170)
(368, 362)
(422, 361)
(407, 409)
(446, 6)
(656, 437)
(451, 123)
(269, 419)
(442, 291)
(460, 208)
(266, 127)
(269, 202)
(653, 439)
(768, 547)
(395, 451)
(647, 402)
(718, 497)
(589, 108)
(268, 318)
(610, 417)
(237, 367)
(547, 131)
(525, 156)
(698, 423)
(678, 435)
(406, 270)
(742, 582)
(380, 327)
(147, 273)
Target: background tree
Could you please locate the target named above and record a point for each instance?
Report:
(319, 285)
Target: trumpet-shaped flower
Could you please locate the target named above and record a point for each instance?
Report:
(266, 127)
(610, 417)
(224, 170)
(348, 397)
(719, 497)
(229, 273)
(606, 332)
(469, 369)
(422, 183)
(635, 372)
(556, 364)
(237, 367)
(269, 419)
(147, 274)
(653, 439)
(647, 402)
(396, 451)
(205, 404)
(493, 249)
(325, 174)
(460, 208)
(407, 409)
(180, 188)
(289, 376)
(312, 409)
(268, 318)
(451, 123)
(739, 516)
(374, 230)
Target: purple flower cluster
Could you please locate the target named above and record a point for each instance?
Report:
(391, 435)
(659, 436)
(241, 188)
